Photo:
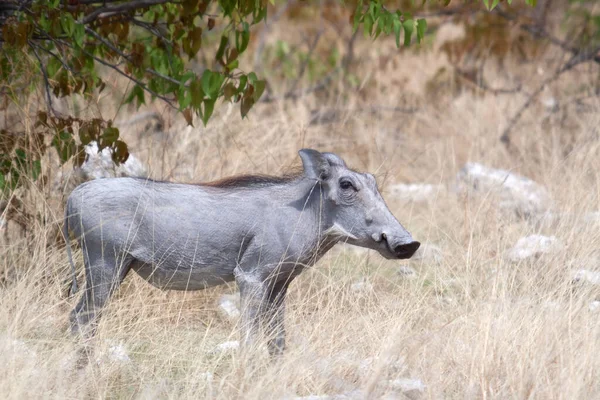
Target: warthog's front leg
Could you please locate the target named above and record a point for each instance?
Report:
(253, 297)
(274, 318)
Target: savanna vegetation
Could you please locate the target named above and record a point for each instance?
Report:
(198, 90)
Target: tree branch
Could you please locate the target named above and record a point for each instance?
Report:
(263, 34)
(120, 8)
(46, 80)
(481, 85)
(540, 33)
(324, 116)
(138, 82)
(302, 70)
(125, 56)
(572, 63)
(65, 66)
(322, 84)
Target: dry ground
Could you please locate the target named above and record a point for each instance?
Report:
(471, 325)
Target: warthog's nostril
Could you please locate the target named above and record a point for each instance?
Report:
(406, 250)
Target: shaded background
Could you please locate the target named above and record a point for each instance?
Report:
(470, 318)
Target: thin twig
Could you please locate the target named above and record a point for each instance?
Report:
(121, 8)
(263, 34)
(481, 85)
(103, 2)
(444, 12)
(326, 116)
(572, 63)
(153, 30)
(349, 57)
(540, 33)
(294, 94)
(302, 70)
(125, 56)
(65, 65)
(138, 82)
(322, 84)
(46, 81)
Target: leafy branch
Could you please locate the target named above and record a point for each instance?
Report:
(69, 43)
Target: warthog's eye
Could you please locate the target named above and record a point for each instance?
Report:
(345, 184)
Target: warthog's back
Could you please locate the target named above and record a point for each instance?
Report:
(171, 226)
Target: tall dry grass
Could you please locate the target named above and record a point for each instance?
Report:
(470, 325)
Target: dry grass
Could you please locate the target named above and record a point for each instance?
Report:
(470, 326)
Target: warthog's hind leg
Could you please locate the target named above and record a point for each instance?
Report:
(102, 276)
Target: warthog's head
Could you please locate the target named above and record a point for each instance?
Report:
(354, 207)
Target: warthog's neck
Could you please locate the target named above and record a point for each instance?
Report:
(314, 219)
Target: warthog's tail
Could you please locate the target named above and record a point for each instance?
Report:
(74, 287)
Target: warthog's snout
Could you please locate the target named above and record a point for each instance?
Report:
(402, 250)
(406, 250)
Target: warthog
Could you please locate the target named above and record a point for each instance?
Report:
(260, 231)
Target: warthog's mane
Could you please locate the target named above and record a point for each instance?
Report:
(253, 181)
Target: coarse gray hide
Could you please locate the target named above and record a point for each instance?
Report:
(259, 231)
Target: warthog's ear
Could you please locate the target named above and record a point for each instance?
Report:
(315, 164)
(334, 160)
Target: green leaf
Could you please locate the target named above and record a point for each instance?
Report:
(233, 65)
(259, 88)
(357, 19)
(388, 26)
(87, 133)
(486, 3)
(422, 28)
(120, 152)
(109, 136)
(2, 183)
(229, 91)
(242, 84)
(494, 4)
(409, 26)
(247, 103)
(64, 144)
(211, 83)
(137, 93)
(242, 38)
(189, 7)
(380, 26)
(206, 81)
(259, 14)
(368, 25)
(397, 29)
(184, 97)
(193, 42)
(36, 169)
(252, 78)
(79, 34)
(67, 23)
(197, 93)
(14, 179)
(52, 67)
(21, 159)
(209, 106)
